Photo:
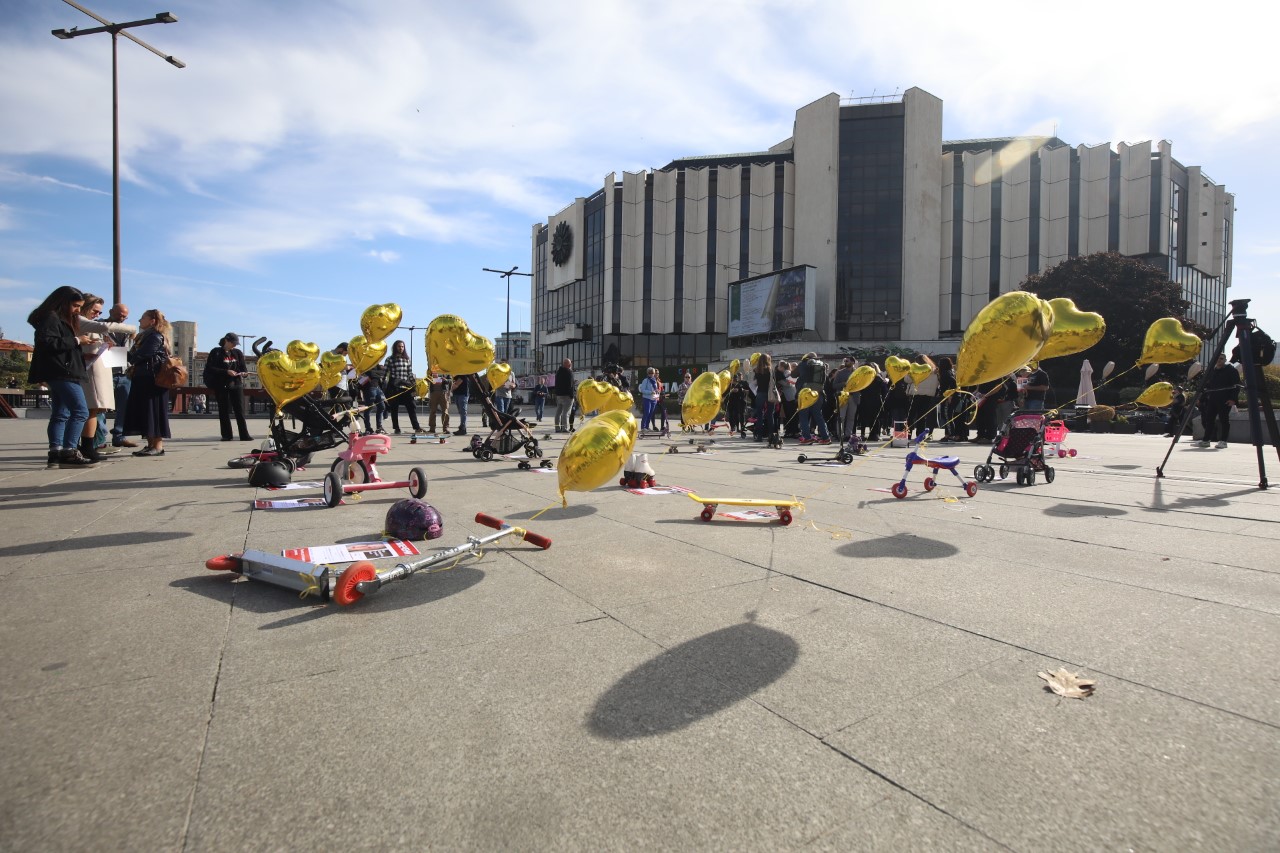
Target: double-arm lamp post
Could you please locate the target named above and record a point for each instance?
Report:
(117, 30)
(507, 275)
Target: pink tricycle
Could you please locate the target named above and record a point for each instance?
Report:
(356, 470)
(937, 463)
(1055, 434)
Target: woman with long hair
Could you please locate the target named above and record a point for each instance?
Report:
(99, 388)
(401, 384)
(147, 412)
(59, 363)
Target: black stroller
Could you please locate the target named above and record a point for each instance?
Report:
(508, 434)
(309, 430)
(1020, 446)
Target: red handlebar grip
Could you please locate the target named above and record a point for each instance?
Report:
(535, 539)
(489, 521)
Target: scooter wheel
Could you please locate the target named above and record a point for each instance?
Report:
(223, 563)
(332, 490)
(846, 457)
(971, 488)
(417, 482)
(929, 483)
(784, 517)
(802, 458)
(344, 591)
(899, 490)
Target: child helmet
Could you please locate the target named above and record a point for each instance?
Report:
(412, 519)
(270, 472)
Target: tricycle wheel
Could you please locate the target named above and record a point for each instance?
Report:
(899, 490)
(344, 591)
(971, 488)
(350, 471)
(929, 483)
(417, 482)
(332, 489)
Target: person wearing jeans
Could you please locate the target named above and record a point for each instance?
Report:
(462, 397)
(58, 362)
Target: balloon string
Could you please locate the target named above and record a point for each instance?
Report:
(552, 505)
(1102, 384)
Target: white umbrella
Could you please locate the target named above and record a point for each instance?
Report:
(1084, 393)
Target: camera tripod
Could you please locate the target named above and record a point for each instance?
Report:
(1259, 403)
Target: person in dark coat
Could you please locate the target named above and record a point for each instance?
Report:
(223, 372)
(58, 362)
(1220, 398)
(147, 412)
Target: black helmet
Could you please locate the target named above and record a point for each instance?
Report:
(271, 472)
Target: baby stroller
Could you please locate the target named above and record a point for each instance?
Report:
(1020, 446)
(507, 435)
(294, 447)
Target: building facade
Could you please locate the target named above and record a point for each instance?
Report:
(908, 236)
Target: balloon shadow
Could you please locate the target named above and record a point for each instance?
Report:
(556, 513)
(1074, 510)
(1122, 467)
(761, 471)
(903, 545)
(693, 680)
(77, 543)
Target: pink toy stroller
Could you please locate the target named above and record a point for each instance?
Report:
(1055, 436)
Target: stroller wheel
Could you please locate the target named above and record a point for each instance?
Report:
(845, 456)
(484, 454)
(530, 451)
(971, 488)
(417, 482)
(537, 453)
(980, 473)
(1049, 474)
(1031, 477)
(802, 458)
(1004, 471)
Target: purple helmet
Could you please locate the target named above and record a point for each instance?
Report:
(413, 519)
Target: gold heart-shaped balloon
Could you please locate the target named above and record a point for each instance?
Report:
(860, 379)
(498, 374)
(755, 357)
(726, 379)
(454, 349)
(1073, 330)
(331, 367)
(286, 379)
(920, 372)
(843, 398)
(364, 354)
(421, 388)
(806, 398)
(1157, 396)
(302, 349)
(1168, 343)
(733, 367)
(596, 452)
(897, 367)
(617, 400)
(1005, 335)
(379, 321)
(702, 400)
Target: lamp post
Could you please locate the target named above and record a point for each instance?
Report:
(507, 275)
(116, 30)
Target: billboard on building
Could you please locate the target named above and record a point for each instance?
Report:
(782, 301)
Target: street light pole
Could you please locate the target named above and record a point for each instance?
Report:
(116, 30)
(507, 275)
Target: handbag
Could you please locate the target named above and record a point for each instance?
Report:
(171, 373)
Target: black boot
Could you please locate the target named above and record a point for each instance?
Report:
(88, 451)
(54, 456)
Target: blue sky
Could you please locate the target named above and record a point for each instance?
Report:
(316, 157)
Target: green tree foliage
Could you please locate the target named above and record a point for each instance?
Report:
(1128, 293)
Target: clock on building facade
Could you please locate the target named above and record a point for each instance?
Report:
(561, 244)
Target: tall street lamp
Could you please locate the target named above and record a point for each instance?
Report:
(116, 30)
(507, 275)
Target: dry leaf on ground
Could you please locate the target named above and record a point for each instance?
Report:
(1068, 684)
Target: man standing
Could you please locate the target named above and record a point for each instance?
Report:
(223, 370)
(847, 414)
(119, 381)
(1037, 388)
(1220, 398)
(812, 375)
(462, 397)
(564, 394)
(502, 394)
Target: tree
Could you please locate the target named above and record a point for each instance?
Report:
(1128, 293)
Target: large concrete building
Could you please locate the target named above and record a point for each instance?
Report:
(899, 236)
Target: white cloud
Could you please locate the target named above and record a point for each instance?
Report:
(386, 255)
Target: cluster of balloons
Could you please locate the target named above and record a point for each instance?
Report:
(294, 372)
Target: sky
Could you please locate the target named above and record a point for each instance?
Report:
(317, 157)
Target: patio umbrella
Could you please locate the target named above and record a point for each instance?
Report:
(1084, 393)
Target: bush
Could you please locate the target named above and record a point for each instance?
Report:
(1271, 375)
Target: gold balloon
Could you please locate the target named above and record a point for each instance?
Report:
(754, 357)
(1005, 335)
(596, 452)
(379, 321)
(726, 379)
(920, 372)
(365, 354)
(592, 394)
(843, 398)
(860, 378)
(806, 398)
(286, 379)
(1168, 343)
(733, 367)
(702, 400)
(1073, 330)
(453, 348)
(897, 368)
(498, 374)
(301, 349)
(1157, 396)
(331, 367)
(421, 388)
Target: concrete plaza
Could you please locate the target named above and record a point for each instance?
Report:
(863, 679)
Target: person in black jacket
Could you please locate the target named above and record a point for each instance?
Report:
(564, 394)
(1220, 398)
(59, 363)
(146, 412)
(222, 373)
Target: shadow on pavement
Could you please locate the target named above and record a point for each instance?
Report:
(1074, 510)
(556, 513)
(77, 543)
(693, 680)
(905, 546)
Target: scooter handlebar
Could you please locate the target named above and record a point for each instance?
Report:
(497, 524)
